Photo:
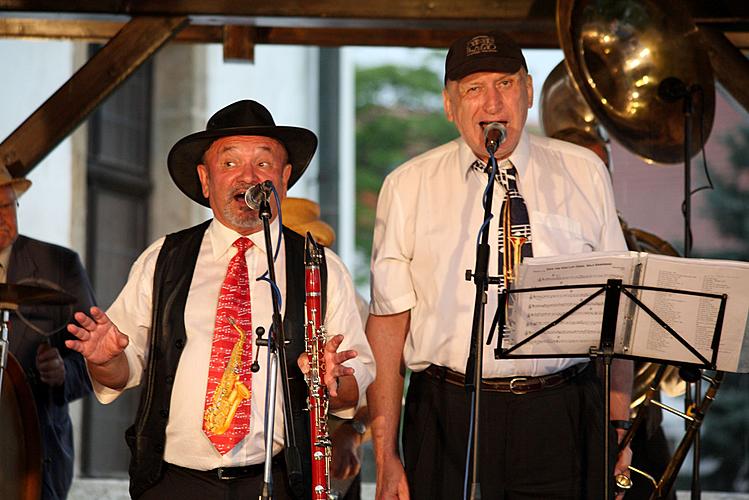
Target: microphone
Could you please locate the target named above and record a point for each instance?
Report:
(495, 134)
(257, 194)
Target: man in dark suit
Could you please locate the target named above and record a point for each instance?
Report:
(56, 374)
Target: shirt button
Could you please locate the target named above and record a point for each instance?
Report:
(164, 413)
(169, 379)
(180, 343)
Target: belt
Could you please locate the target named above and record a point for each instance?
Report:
(513, 385)
(224, 473)
(227, 473)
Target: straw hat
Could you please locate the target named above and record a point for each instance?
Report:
(19, 184)
(302, 215)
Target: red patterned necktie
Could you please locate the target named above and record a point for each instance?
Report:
(226, 420)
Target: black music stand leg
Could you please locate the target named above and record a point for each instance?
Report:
(696, 449)
(606, 412)
(608, 333)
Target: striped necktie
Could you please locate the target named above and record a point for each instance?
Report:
(514, 232)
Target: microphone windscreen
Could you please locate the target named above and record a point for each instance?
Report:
(494, 135)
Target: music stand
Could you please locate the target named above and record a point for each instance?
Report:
(613, 289)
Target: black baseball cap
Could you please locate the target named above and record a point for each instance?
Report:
(492, 51)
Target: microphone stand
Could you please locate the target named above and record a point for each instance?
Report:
(475, 353)
(697, 386)
(671, 90)
(276, 343)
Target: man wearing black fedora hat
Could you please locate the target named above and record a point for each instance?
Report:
(186, 319)
(56, 375)
(539, 418)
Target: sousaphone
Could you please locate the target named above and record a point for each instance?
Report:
(624, 57)
(562, 107)
(565, 115)
(619, 53)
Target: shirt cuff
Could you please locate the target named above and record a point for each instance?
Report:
(105, 394)
(381, 307)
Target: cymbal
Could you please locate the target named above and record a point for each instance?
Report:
(12, 296)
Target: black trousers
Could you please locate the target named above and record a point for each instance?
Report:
(541, 445)
(188, 484)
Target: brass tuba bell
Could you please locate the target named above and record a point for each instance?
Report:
(565, 115)
(620, 52)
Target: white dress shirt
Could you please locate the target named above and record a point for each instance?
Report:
(186, 444)
(428, 217)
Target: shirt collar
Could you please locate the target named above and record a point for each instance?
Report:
(519, 158)
(223, 238)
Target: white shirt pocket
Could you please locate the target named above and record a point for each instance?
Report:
(555, 234)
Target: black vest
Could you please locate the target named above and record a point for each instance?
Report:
(172, 277)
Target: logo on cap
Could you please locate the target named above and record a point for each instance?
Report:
(480, 44)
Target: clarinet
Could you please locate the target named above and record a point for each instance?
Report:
(317, 402)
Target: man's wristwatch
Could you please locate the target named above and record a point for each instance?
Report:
(358, 426)
(621, 424)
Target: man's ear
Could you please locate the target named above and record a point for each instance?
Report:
(447, 104)
(203, 176)
(529, 88)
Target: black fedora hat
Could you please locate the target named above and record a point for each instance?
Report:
(240, 118)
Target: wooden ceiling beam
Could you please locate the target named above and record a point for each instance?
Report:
(540, 35)
(140, 38)
(543, 35)
(346, 9)
(730, 65)
(94, 31)
(239, 43)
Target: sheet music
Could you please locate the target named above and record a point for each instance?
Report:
(694, 317)
(530, 312)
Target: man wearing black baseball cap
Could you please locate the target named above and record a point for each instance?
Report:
(184, 326)
(540, 418)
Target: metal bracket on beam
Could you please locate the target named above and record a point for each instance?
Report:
(239, 43)
(54, 120)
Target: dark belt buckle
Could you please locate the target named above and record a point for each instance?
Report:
(226, 473)
(515, 390)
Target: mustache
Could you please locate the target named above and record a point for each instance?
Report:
(238, 190)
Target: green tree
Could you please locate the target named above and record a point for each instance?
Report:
(725, 437)
(725, 432)
(398, 115)
(729, 201)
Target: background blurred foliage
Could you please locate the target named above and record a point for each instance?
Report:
(398, 116)
(725, 431)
